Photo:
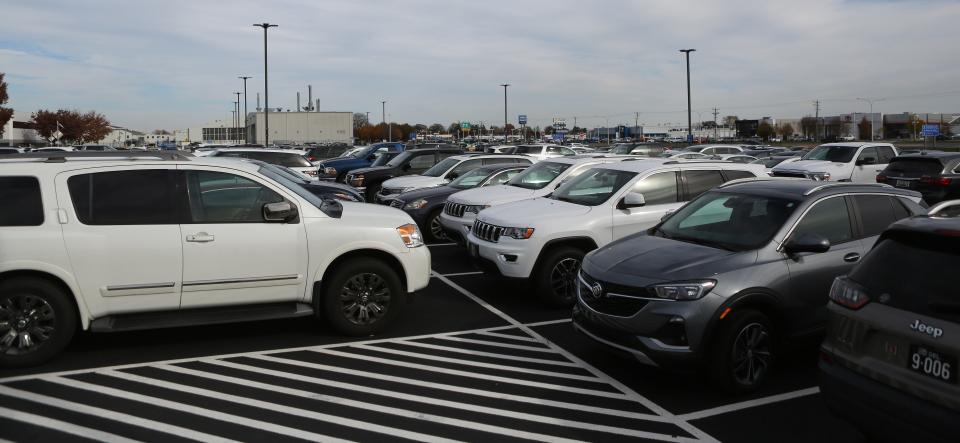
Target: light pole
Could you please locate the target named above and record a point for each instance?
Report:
(383, 110)
(505, 85)
(689, 117)
(244, 78)
(266, 97)
(870, 101)
(238, 115)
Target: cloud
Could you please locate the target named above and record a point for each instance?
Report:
(174, 64)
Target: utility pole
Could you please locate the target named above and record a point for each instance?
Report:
(505, 85)
(244, 78)
(266, 96)
(689, 116)
(715, 113)
(816, 122)
(636, 124)
(238, 114)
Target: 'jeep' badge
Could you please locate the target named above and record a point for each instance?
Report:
(922, 328)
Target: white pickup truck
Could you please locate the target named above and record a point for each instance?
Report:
(845, 162)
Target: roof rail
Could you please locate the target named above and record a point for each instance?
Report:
(941, 206)
(843, 184)
(695, 160)
(60, 157)
(737, 181)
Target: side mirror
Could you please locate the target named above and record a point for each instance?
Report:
(806, 243)
(332, 208)
(282, 212)
(406, 167)
(371, 157)
(452, 175)
(867, 161)
(632, 200)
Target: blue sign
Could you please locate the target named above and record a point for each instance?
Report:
(689, 138)
(558, 136)
(413, 136)
(523, 119)
(930, 130)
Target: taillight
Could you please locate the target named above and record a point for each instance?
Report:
(939, 181)
(881, 178)
(848, 294)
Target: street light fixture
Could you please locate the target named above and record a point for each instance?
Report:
(689, 116)
(244, 78)
(266, 97)
(505, 85)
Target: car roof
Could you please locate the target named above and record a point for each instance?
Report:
(487, 155)
(490, 169)
(856, 144)
(929, 154)
(640, 164)
(279, 150)
(441, 148)
(794, 188)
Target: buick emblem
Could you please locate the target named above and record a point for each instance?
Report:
(596, 291)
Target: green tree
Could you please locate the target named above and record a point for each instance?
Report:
(765, 130)
(785, 130)
(436, 128)
(5, 113)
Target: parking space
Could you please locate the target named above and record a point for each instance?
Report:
(473, 358)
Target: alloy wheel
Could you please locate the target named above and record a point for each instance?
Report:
(26, 323)
(751, 354)
(563, 277)
(436, 229)
(365, 298)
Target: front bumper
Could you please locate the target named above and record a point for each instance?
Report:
(882, 412)
(646, 350)
(416, 265)
(457, 228)
(512, 258)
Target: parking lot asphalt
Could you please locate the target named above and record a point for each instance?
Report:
(473, 357)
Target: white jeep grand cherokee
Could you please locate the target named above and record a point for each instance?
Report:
(545, 238)
(154, 240)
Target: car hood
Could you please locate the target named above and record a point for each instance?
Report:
(809, 165)
(437, 192)
(531, 213)
(374, 169)
(412, 181)
(331, 186)
(339, 161)
(645, 259)
(367, 215)
(493, 195)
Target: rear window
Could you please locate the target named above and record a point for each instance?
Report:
(914, 167)
(21, 202)
(291, 160)
(926, 259)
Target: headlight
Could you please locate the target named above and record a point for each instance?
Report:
(416, 204)
(475, 208)
(330, 171)
(345, 197)
(691, 290)
(356, 180)
(821, 176)
(410, 235)
(518, 233)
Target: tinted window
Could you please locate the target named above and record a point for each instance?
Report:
(899, 210)
(699, 182)
(529, 150)
(502, 177)
(464, 167)
(735, 175)
(867, 154)
(497, 161)
(139, 197)
(8, 151)
(593, 187)
(728, 221)
(886, 154)
(829, 219)
(913, 167)
(440, 168)
(658, 189)
(876, 213)
(422, 162)
(839, 154)
(291, 160)
(217, 197)
(21, 202)
(538, 175)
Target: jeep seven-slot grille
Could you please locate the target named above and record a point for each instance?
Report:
(486, 231)
(454, 209)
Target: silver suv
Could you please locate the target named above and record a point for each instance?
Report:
(723, 280)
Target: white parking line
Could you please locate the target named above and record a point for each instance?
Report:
(749, 404)
(489, 354)
(62, 426)
(496, 344)
(512, 337)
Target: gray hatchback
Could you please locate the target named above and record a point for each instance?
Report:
(721, 282)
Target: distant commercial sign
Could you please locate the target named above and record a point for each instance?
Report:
(464, 125)
(930, 130)
(558, 136)
(522, 119)
(413, 136)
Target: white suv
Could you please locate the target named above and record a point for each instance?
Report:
(447, 170)
(543, 152)
(292, 158)
(545, 239)
(536, 181)
(845, 162)
(151, 240)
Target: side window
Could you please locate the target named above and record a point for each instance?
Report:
(138, 197)
(218, 197)
(876, 213)
(734, 175)
(464, 167)
(502, 177)
(498, 160)
(886, 154)
(699, 182)
(554, 150)
(422, 162)
(900, 211)
(828, 218)
(20, 198)
(868, 153)
(658, 189)
(567, 151)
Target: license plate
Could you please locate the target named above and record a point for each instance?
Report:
(903, 183)
(474, 250)
(932, 363)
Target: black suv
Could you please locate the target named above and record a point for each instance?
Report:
(409, 162)
(721, 282)
(934, 174)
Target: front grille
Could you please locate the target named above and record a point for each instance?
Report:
(789, 174)
(396, 204)
(486, 231)
(620, 301)
(454, 209)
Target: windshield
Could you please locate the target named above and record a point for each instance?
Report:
(837, 154)
(621, 149)
(289, 159)
(285, 171)
(351, 153)
(735, 222)
(400, 159)
(538, 175)
(593, 187)
(440, 168)
(296, 187)
(470, 179)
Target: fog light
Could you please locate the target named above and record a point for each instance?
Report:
(509, 258)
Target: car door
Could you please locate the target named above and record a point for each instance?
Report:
(231, 255)
(811, 274)
(867, 166)
(121, 231)
(661, 192)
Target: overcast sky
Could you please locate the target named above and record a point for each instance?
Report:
(173, 64)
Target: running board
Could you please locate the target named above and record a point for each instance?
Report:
(200, 316)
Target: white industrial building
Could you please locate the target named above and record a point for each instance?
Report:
(19, 132)
(301, 127)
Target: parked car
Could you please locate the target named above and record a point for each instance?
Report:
(544, 239)
(337, 168)
(543, 152)
(686, 156)
(409, 162)
(323, 189)
(94, 148)
(934, 174)
(443, 172)
(735, 158)
(770, 162)
(165, 240)
(710, 149)
(425, 205)
(317, 153)
(856, 162)
(889, 361)
(292, 159)
(11, 151)
(721, 283)
(536, 181)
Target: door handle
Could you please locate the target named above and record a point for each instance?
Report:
(851, 257)
(200, 237)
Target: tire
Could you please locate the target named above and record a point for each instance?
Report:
(433, 229)
(560, 263)
(371, 192)
(41, 310)
(731, 367)
(340, 302)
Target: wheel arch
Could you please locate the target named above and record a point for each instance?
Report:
(364, 253)
(763, 300)
(78, 307)
(585, 243)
